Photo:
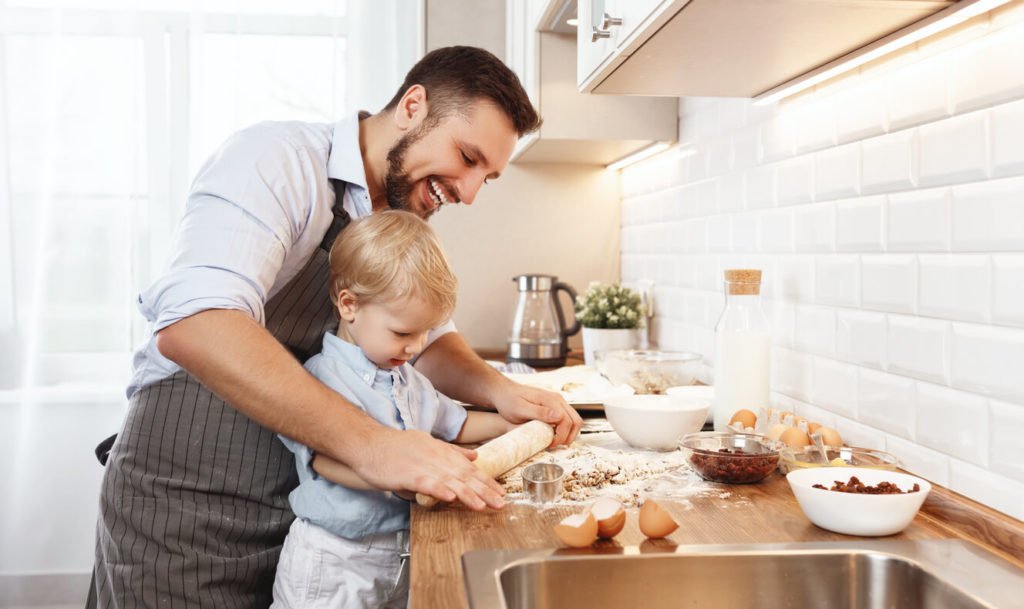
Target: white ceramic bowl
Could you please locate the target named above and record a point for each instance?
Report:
(655, 422)
(854, 514)
(703, 392)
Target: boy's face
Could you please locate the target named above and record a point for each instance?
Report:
(391, 332)
(444, 163)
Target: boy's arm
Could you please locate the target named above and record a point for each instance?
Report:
(339, 473)
(482, 426)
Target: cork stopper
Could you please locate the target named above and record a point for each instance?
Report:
(743, 281)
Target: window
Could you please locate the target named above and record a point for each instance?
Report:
(107, 109)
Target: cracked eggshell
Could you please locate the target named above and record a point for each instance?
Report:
(655, 522)
(577, 530)
(610, 516)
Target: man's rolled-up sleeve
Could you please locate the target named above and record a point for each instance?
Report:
(248, 205)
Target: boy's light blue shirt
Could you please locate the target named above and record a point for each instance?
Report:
(401, 398)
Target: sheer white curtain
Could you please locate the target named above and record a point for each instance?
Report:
(107, 107)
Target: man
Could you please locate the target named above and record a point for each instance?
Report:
(194, 501)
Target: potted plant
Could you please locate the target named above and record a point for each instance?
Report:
(611, 316)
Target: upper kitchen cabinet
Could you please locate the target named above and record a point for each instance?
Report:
(578, 128)
(725, 48)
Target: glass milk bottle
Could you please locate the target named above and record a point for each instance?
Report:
(742, 347)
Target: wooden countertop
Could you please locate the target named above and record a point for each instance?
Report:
(765, 512)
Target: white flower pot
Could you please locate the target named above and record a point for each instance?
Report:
(606, 339)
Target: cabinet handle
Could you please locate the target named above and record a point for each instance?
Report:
(608, 21)
(597, 34)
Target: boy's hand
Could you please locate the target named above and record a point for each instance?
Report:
(413, 461)
(520, 403)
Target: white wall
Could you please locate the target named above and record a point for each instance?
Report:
(887, 211)
(553, 219)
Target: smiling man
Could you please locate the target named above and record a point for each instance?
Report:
(194, 502)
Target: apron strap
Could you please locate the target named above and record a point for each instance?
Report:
(340, 219)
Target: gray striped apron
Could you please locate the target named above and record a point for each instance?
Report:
(194, 501)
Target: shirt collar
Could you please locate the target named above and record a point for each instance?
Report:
(353, 357)
(345, 161)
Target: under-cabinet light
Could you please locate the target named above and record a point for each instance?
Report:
(639, 155)
(942, 20)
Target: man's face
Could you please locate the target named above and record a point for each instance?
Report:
(448, 161)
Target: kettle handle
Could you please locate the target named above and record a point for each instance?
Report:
(558, 308)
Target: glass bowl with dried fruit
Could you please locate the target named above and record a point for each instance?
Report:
(731, 457)
(858, 501)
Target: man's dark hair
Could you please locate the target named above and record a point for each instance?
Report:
(456, 77)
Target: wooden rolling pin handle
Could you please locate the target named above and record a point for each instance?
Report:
(506, 451)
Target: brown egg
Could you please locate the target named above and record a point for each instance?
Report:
(610, 516)
(795, 438)
(655, 522)
(813, 427)
(830, 437)
(577, 530)
(744, 417)
(776, 430)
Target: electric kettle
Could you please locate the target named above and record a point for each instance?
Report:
(539, 335)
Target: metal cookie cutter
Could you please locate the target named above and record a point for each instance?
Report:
(543, 482)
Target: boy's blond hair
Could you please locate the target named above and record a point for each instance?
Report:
(389, 255)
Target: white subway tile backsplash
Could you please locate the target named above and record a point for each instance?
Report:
(791, 373)
(886, 209)
(860, 110)
(834, 387)
(889, 162)
(837, 280)
(837, 172)
(861, 338)
(1008, 291)
(795, 181)
(886, 401)
(954, 150)
(917, 93)
(953, 422)
(987, 487)
(955, 287)
(919, 348)
(919, 221)
(815, 228)
(1007, 134)
(929, 464)
(989, 360)
(859, 224)
(1005, 455)
(889, 283)
(775, 231)
(980, 73)
(760, 187)
(794, 278)
(816, 330)
(989, 216)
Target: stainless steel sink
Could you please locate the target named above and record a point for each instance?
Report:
(934, 574)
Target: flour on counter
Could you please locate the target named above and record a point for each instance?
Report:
(601, 464)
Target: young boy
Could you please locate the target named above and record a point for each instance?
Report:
(390, 283)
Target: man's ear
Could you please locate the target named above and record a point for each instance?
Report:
(412, 108)
(347, 305)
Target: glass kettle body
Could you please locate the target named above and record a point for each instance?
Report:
(539, 334)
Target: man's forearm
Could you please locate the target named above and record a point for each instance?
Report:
(241, 362)
(458, 372)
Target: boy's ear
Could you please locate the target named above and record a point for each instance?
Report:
(347, 305)
(412, 108)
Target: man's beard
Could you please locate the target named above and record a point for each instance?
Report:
(398, 186)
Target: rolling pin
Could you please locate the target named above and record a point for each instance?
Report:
(506, 451)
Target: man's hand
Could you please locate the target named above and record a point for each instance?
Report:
(414, 461)
(520, 403)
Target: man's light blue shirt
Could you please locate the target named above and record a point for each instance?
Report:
(258, 209)
(401, 398)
